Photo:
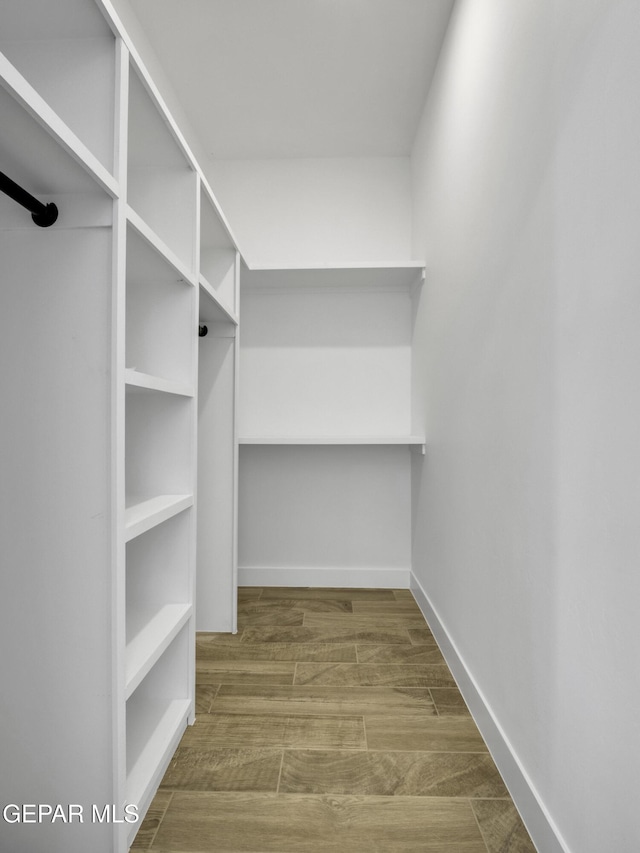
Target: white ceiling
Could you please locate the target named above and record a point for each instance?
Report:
(299, 78)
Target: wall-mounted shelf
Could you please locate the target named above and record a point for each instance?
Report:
(405, 275)
(319, 440)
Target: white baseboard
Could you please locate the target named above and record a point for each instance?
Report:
(320, 577)
(540, 826)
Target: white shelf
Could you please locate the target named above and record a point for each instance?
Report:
(82, 126)
(152, 239)
(215, 231)
(161, 181)
(349, 265)
(211, 307)
(333, 439)
(151, 632)
(70, 66)
(159, 726)
(404, 275)
(160, 310)
(36, 138)
(137, 381)
(144, 513)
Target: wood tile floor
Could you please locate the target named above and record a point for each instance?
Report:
(330, 724)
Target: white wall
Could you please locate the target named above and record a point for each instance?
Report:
(325, 361)
(316, 211)
(324, 516)
(526, 535)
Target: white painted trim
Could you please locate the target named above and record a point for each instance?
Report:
(345, 578)
(542, 829)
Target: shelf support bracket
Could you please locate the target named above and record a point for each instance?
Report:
(42, 214)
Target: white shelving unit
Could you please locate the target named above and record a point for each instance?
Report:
(325, 424)
(57, 521)
(99, 334)
(159, 376)
(219, 272)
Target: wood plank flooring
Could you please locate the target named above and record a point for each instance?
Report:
(330, 724)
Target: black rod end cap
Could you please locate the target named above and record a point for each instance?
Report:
(47, 216)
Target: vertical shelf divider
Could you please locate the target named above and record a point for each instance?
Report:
(118, 425)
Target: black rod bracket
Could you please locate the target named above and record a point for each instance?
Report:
(42, 214)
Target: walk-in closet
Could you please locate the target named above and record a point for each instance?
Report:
(319, 470)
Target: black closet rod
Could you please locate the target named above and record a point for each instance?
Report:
(42, 214)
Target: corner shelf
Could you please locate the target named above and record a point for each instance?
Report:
(143, 514)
